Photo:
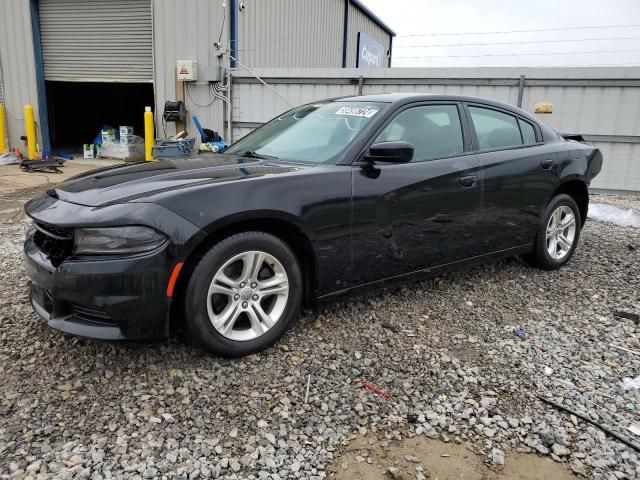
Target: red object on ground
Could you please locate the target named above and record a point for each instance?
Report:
(373, 388)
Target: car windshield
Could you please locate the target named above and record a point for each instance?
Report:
(311, 133)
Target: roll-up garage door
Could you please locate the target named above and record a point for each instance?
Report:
(97, 40)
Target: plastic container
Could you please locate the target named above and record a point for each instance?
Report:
(128, 153)
(88, 151)
(126, 130)
(127, 139)
(108, 135)
(168, 148)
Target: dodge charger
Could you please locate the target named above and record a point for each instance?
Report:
(327, 199)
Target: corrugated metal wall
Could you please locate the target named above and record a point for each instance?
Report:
(621, 169)
(359, 21)
(600, 103)
(2, 102)
(508, 94)
(291, 33)
(187, 31)
(598, 111)
(17, 65)
(1, 89)
(300, 33)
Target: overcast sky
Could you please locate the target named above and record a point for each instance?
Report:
(419, 25)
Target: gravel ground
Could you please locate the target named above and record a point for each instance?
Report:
(445, 349)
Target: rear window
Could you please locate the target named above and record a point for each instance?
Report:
(528, 132)
(495, 129)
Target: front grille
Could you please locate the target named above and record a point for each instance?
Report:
(91, 314)
(55, 242)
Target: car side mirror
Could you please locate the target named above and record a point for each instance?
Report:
(391, 152)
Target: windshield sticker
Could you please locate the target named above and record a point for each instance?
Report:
(357, 111)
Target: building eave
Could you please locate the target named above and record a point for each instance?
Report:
(373, 16)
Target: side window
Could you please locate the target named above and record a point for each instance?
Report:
(433, 130)
(495, 129)
(528, 133)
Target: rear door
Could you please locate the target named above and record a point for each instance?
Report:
(518, 172)
(417, 215)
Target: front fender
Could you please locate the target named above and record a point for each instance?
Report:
(317, 201)
(249, 215)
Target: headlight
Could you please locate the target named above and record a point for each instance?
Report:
(116, 240)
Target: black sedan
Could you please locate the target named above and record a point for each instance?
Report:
(327, 199)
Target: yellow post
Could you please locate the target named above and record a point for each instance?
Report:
(3, 130)
(30, 127)
(148, 134)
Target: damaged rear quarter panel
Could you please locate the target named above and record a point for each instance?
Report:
(579, 162)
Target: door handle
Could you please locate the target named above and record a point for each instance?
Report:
(547, 163)
(468, 181)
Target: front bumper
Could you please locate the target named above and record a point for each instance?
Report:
(114, 298)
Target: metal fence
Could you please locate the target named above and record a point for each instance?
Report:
(602, 104)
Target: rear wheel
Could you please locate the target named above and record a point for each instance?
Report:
(558, 234)
(243, 294)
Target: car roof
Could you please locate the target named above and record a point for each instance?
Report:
(402, 98)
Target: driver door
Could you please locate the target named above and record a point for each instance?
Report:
(422, 214)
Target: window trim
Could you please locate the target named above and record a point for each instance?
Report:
(464, 126)
(521, 120)
(474, 136)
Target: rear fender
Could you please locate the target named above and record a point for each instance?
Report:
(594, 164)
(584, 163)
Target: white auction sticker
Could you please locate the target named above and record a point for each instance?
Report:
(357, 111)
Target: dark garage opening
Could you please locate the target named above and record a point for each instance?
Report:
(79, 110)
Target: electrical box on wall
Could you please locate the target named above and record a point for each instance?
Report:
(187, 70)
(213, 73)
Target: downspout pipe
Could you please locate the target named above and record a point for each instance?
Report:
(41, 86)
(345, 38)
(520, 91)
(233, 33)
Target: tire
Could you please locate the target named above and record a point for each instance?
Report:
(541, 256)
(222, 316)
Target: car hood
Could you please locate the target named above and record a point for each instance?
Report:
(126, 183)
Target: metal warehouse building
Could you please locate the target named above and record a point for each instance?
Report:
(85, 63)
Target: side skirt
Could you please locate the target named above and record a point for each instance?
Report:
(426, 273)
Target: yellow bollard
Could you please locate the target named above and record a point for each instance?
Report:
(148, 134)
(3, 130)
(30, 127)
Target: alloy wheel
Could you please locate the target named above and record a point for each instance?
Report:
(247, 295)
(561, 232)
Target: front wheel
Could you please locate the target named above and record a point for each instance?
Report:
(243, 294)
(558, 234)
